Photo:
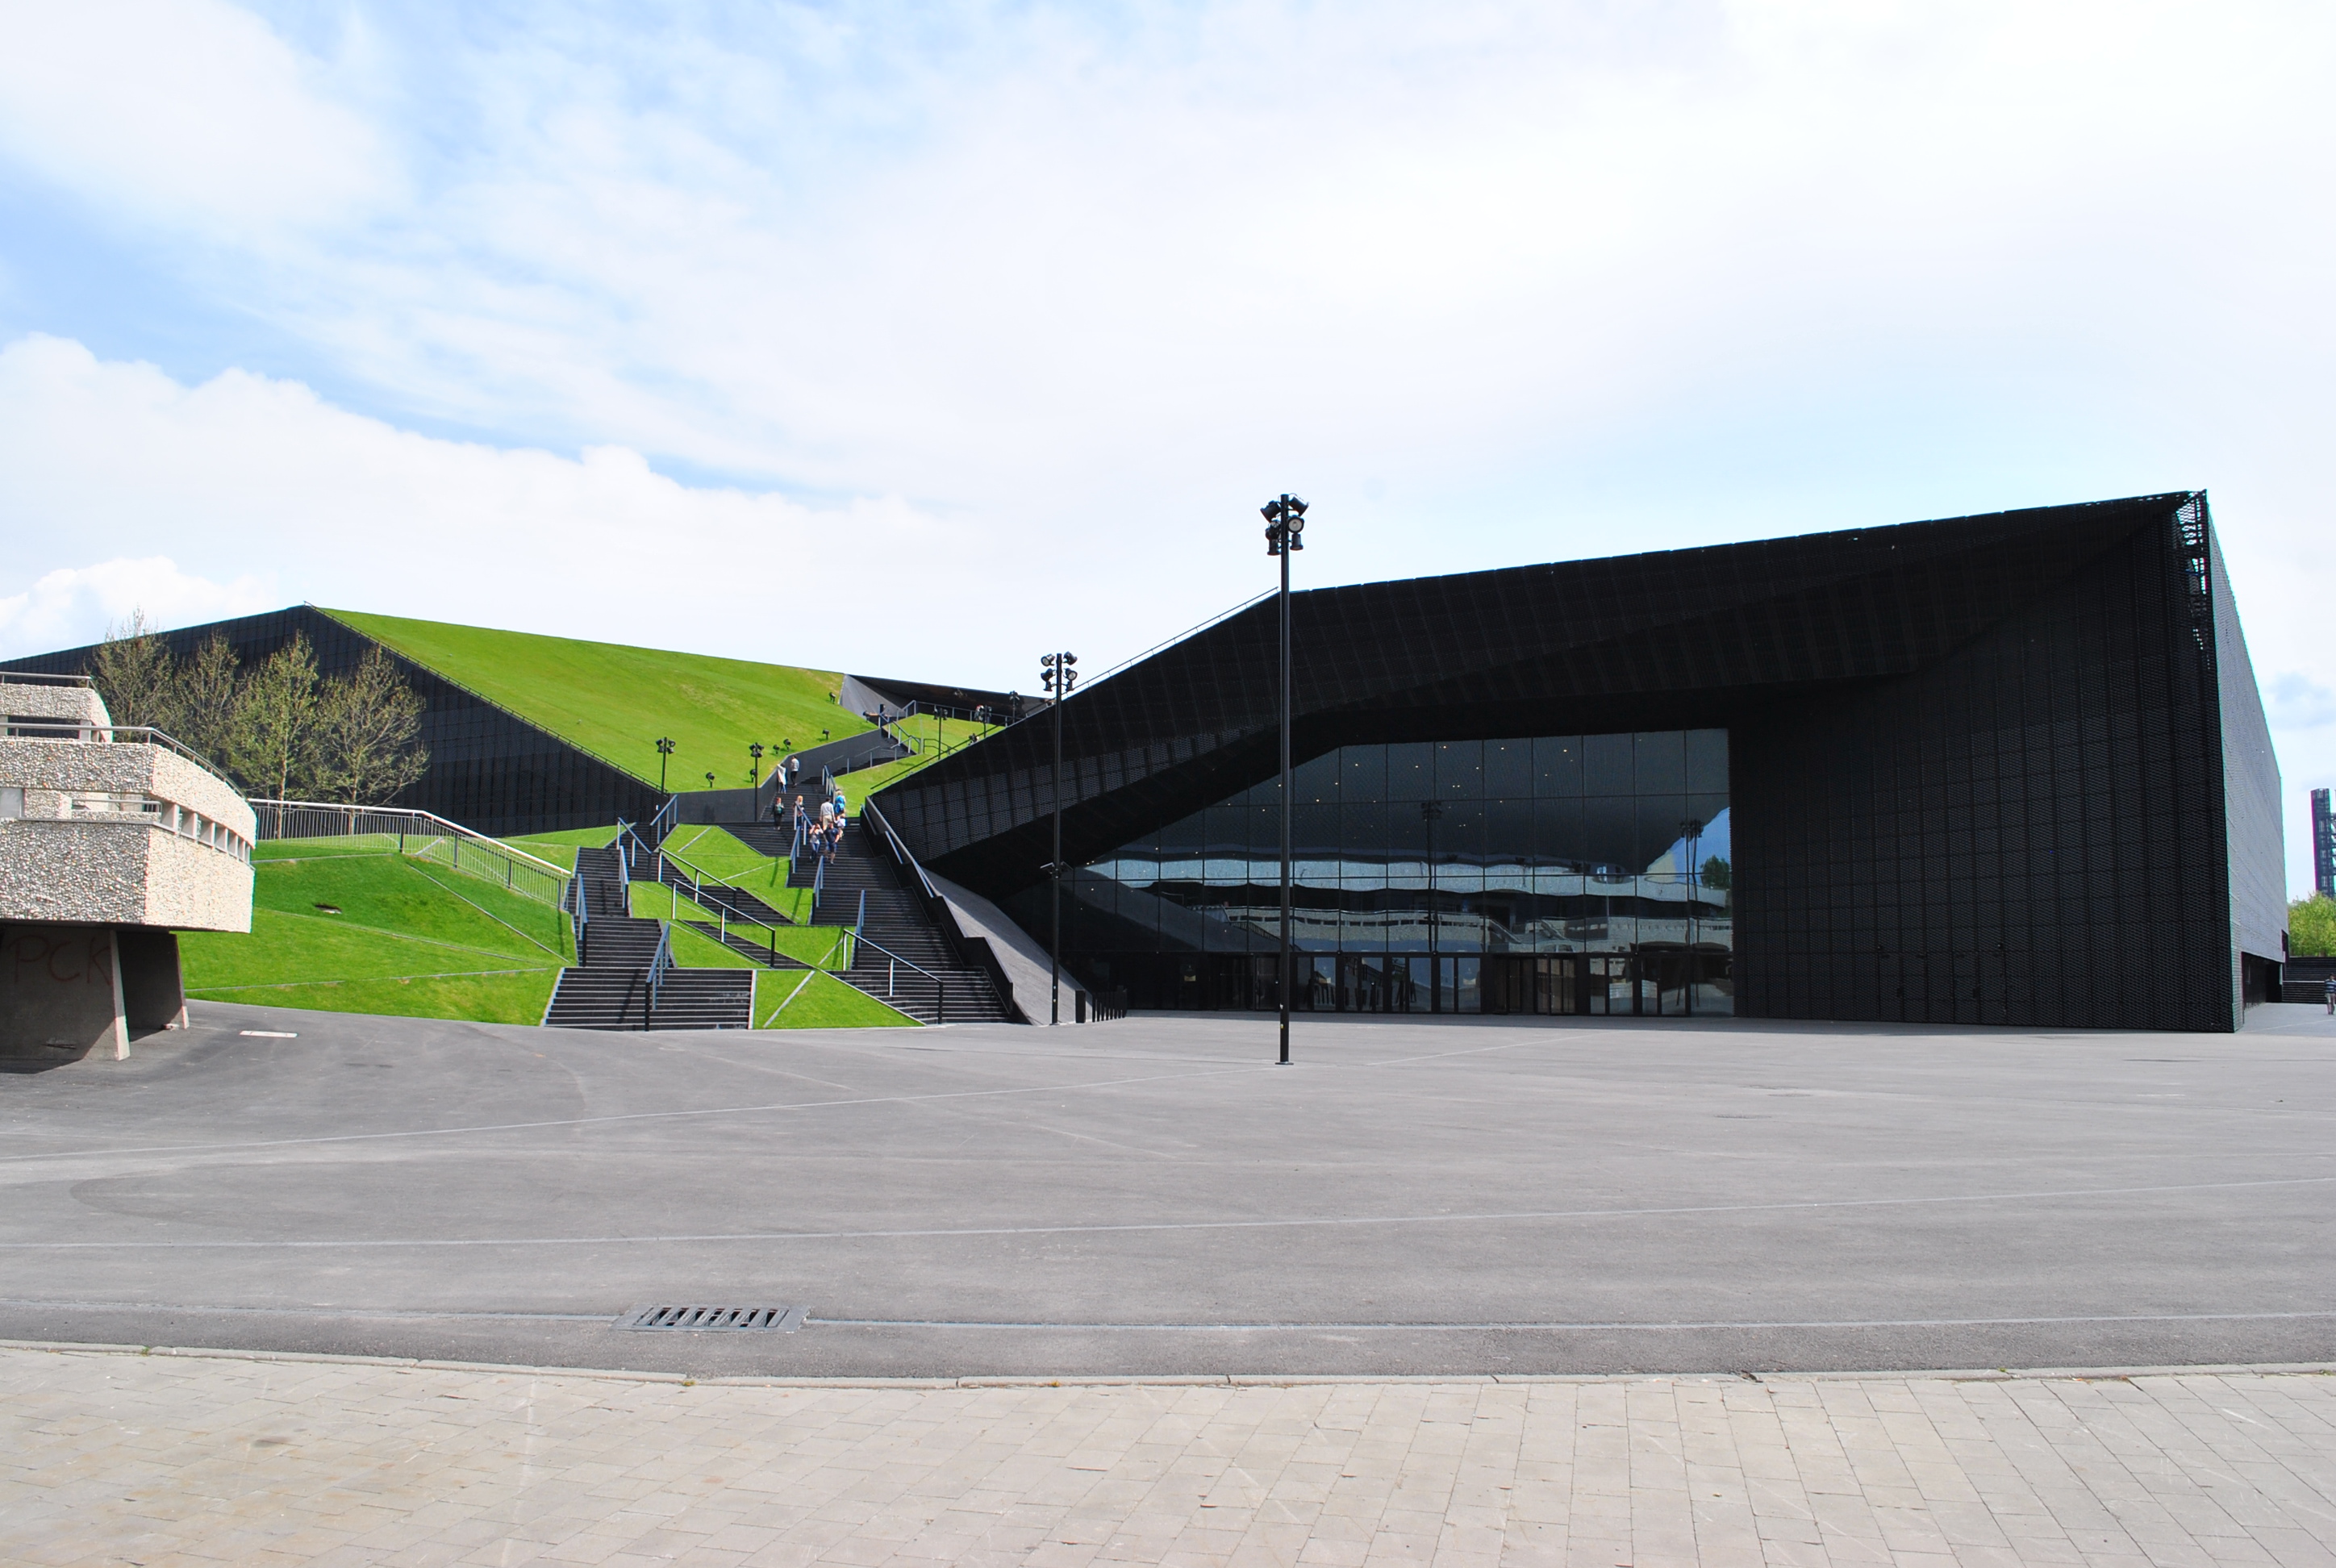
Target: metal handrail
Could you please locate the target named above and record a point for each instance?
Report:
(658, 965)
(725, 913)
(974, 950)
(583, 919)
(900, 855)
(699, 873)
(940, 985)
(544, 881)
(861, 924)
(66, 729)
(667, 818)
(698, 894)
(983, 716)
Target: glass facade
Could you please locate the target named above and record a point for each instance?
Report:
(1584, 874)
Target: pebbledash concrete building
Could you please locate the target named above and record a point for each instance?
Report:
(2009, 769)
(113, 840)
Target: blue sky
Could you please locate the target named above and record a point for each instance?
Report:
(763, 329)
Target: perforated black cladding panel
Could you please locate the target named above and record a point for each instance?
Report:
(2028, 830)
(1978, 763)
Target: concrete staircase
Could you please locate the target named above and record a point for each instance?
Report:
(610, 989)
(952, 991)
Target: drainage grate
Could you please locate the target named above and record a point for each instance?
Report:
(732, 1319)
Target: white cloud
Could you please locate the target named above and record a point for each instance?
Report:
(1058, 292)
(2298, 702)
(243, 471)
(191, 112)
(76, 605)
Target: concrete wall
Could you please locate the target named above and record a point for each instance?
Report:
(61, 992)
(153, 991)
(48, 768)
(119, 867)
(73, 704)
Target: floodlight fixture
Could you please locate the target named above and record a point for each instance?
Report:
(1285, 521)
(1058, 677)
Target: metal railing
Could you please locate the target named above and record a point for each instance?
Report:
(894, 963)
(706, 891)
(659, 963)
(700, 880)
(583, 919)
(66, 729)
(989, 718)
(974, 949)
(668, 817)
(449, 843)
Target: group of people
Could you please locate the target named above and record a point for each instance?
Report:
(823, 834)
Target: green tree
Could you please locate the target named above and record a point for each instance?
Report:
(1717, 873)
(132, 671)
(366, 730)
(199, 707)
(2312, 927)
(272, 743)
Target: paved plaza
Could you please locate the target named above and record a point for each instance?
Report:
(1152, 1196)
(114, 1458)
(346, 1289)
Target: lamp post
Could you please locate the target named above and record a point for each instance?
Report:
(1431, 811)
(755, 750)
(709, 778)
(1058, 676)
(1285, 522)
(665, 750)
(1690, 830)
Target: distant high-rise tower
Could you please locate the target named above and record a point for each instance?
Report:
(2323, 845)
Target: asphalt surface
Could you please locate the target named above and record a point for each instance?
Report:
(1152, 1196)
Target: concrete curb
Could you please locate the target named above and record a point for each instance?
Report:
(1188, 1381)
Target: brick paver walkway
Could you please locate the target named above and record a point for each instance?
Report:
(114, 1458)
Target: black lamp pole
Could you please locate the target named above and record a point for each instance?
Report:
(665, 750)
(1285, 522)
(755, 750)
(1430, 813)
(1692, 831)
(1058, 677)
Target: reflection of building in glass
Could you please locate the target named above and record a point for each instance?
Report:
(2009, 769)
(1553, 845)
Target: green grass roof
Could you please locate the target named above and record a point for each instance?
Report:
(613, 701)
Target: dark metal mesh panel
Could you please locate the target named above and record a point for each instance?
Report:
(1978, 763)
(2028, 830)
(490, 770)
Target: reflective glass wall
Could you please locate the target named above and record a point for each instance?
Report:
(1540, 874)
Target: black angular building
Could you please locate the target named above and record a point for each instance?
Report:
(2007, 769)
